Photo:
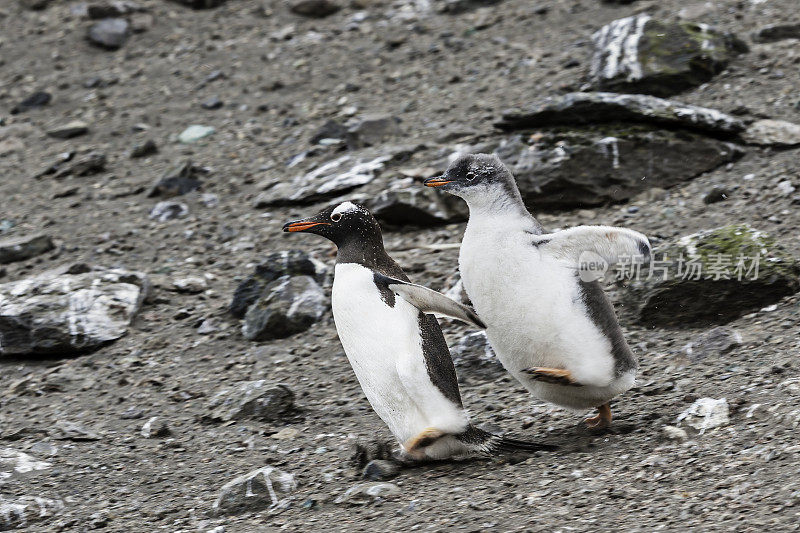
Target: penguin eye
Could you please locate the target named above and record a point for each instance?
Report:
(470, 176)
(336, 217)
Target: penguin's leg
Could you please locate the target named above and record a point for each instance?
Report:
(556, 376)
(602, 419)
(413, 446)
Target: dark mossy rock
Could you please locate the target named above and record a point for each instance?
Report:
(275, 265)
(640, 54)
(711, 278)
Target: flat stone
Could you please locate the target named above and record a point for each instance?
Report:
(778, 133)
(288, 305)
(25, 247)
(703, 287)
(194, 133)
(68, 310)
(256, 400)
(640, 54)
(714, 342)
(23, 511)
(588, 108)
(705, 414)
(313, 8)
(66, 430)
(72, 129)
(35, 100)
(254, 491)
(363, 493)
(110, 33)
(777, 32)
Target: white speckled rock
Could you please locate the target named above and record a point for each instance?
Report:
(68, 310)
(22, 511)
(705, 414)
(778, 133)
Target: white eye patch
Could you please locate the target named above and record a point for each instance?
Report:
(344, 207)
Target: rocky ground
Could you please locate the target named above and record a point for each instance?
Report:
(129, 392)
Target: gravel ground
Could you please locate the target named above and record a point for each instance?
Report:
(452, 73)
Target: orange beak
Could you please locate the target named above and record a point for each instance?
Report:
(436, 182)
(302, 225)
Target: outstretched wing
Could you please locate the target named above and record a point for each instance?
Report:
(429, 301)
(612, 244)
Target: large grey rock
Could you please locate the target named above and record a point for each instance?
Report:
(586, 108)
(275, 265)
(110, 33)
(329, 180)
(644, 55)
(406, 203)
(67, 311)
(257, 400)
(288, 305)
(14, 462)
(695, 279)
(21, 248)
(254, 491)
(19, 512)
(705, 414)
(778, 133)
(588, 167)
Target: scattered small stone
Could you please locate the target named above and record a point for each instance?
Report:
(287, 306)
(69, 130)
(37, 99)
(313, 8)
(209, 200)
(705, 414)
(65, 430)
(132, 413)
(785, 187)
(178, 180)
(141, 22)
(717, 194)
(778, 133)
(714, 342)
(363, 493)
(145, 149)
(474, 358)
(194, 133)
(257, 400)
(254, 491)
(207, 327)
(212, 103)
(168, 210)
(14, 249)
(674, 433)
(777, 32)
(380, 470)
(155, 428)
(190, 284)
(110, 33)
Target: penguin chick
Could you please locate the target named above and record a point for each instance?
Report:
(397, 351)
(556, 333)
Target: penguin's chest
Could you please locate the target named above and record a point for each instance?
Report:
(532, 306)
(375, 335)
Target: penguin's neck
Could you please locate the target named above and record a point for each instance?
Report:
(502, 205)
(370, 254)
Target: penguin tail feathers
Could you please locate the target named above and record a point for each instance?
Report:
(490, 444)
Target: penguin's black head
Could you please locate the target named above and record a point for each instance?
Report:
(342, 224)
(474, 175)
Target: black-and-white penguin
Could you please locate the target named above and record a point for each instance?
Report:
(554, 332)
(398, 352)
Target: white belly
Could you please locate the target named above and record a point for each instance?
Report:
(384, 347)
(532, 307)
